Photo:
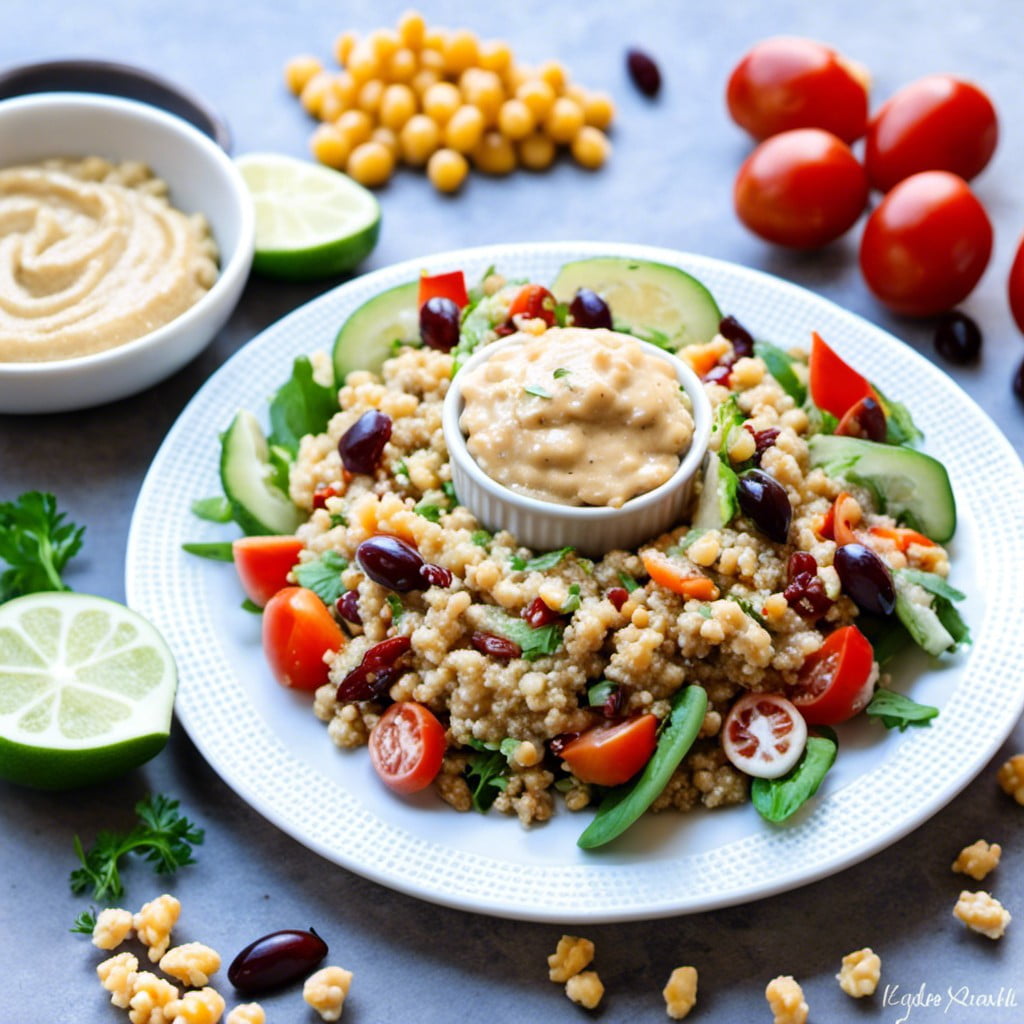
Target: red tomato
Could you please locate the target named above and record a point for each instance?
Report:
(534, 301)
(263, 564)
(298, 631)
(764, 735)
(835, 385)
(836, 682)
(407, 747)
(446, 286)
(926, 244)
(844, 515)
(612, 753)
(785, 83)
(802, 189)
(1015, 286)
(938, 123)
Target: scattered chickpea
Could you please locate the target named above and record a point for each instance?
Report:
(371, 163)
(590, 148)
(356, 126)
(312, 95)
(494, 154)
(598, 109)
(402, 65)
(515, 119)
(299, 70)
(585, 988)
(343, 46)
(982, 913)
(563, 120)
(786, 999)
(461, 50)
(440, 101)
(326, 991)
(538, 96)
(397, 105)
(330, 146)
(447, 170)
(464, 128)
(389, 140)
(537, 152)
(369, 97)
(860, 972)
(418, 139)
(411, 29)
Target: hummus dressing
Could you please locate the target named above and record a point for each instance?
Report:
(576, 417)
(92, 255)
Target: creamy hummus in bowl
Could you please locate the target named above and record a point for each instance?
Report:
(126, 237)
(576, 437)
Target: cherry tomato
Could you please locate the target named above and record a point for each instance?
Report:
(1015, 287)
(298, 631)
(938, 123)
(263, 564)
(835, 386)
(784, 83)
(612, 753)
(445, 286)
(534, 301)
(842, 517)
(764, 735)
(926, 245)
(801, 188)
(407, 747)
(836, 681)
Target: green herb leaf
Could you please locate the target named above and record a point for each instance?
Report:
(749, 609)
(428, 511)
(533, 642)
(300, 406)
(778, 799)
(900, 427)
(323, 576)
(896, 711)
(487, 775)
(537, 391)
(401, 469)
(540, 563)
(396, 606)
(560, 373)
(628, 582)
(251, 606)
(36, 543)
(820, 421)
(448, 490)
(215, 510)
(598, 694)
(85, 923)
(481, 538)
(572, 602)
(691, 538)
(728, 417)
(780, 366)
(215, 550)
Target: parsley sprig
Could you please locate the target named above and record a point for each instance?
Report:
(36, 542)
(163, 837)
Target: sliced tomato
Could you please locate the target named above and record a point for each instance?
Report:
(263, 564)
(844, 515)
(612, 753)
(298, 631)
(534, 302)
(902, 536)
(836, 681)
(451, 285)
(407, 747)
(667, 574)
(835, 385)
(764, 735)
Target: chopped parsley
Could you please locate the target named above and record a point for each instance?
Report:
(537, 391)
(540, 563)
(323, 576)
(533, 642)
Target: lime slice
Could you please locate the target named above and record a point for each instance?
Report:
(311, 221)
(86, 690)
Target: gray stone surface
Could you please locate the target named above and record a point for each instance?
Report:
(667, 184)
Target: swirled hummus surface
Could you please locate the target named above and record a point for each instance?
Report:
(93, 255)
(576, 417)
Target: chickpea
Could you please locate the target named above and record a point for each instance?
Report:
(346, 88)
(553, 72)
(537, 95)
(515, 120)
(590, 147)
(537, 152)
(299, 70)
(402, 65)
(384, 42)
(483, 89)
(369, 96)
(411, 29)
(461, 50)
(432, 60)
(464, 128)
(495, 55)
(397, 105)
(564, 120)
(447, 170)
(387, 137)
(330, 146)
(363, 63)
(419, 138)
(435, 39)
(598, 109)
(441, 101)
(332, 103)
(343, 46)
(423, 80)
(371, 163)
(313, 92)
(356, 126)
(494, 154)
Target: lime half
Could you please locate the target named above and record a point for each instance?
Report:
(311, 221)
(86, 690)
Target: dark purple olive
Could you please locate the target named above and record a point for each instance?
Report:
(377, 670)
(362, 445)
(588, 309)
(866, 579)
(958, 338)
(742, 341)
(391, 562)
(644, 72)
(495, 646)
(439, 323)
(275, 960)
(764, 500)
(866, 420)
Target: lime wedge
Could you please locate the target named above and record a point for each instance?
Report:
(86, 690)
(311, 221)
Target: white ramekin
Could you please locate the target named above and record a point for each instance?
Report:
(545, 526)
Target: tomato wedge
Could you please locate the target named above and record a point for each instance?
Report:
(673, 577)
(298, 631)
(764, 735)
(612, 753)
(836, 681)
(263, 564)
(451, 285)
(407, 747)
(841, 518)
(534, 301)
(835, 385)
(902, 536)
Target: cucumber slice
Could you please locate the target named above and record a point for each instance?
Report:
(257, 505)
(658, 302)
(914, 487)
(717, 506)
(367, 337)
(921, 620)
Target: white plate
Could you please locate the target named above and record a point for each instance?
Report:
(266, 743)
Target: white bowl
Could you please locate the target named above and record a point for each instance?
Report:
(592, 531)
(202, 179)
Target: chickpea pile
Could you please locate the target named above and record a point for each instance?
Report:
(444, 100)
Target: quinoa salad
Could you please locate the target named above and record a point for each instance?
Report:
(703, 668)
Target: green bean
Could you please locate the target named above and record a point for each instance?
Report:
(624, 804)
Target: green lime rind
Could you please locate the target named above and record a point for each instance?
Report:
(327, 260)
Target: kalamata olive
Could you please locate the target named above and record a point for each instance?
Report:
(742, 340)
(958, 338)
(391, 562)
(362, 445)
(495, 646)
(865, 419)
(764, 500)
(588, 309)
(439, 323)
(276, 959)
(377, 670)
(866, 579)
(644, 72)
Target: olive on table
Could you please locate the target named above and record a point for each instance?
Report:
(865, 578)
(764, 500)
(276, 959)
